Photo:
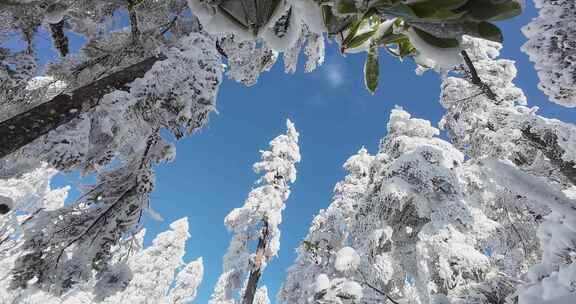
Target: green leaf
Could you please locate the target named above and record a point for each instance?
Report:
(436, 41)
(333, 23)
(443, 4)
(402, 10)
(487, 10)
(352, 30)
(450, 4)
(346, 7)
(435, 14)
(359, 40)
(390, 38)
(405, 48)
(438, 9)
(371, 69)
(484, 30)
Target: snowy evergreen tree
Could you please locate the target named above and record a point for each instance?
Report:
(538, 148)
(155, 274)
(418, 226)
(328, 234)
(63, 246)
(423, 221)
(258, 220)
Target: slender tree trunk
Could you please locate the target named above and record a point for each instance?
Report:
(256, 271)
(547, 143)
(24, 128)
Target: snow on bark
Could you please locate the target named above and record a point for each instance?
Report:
(258, 219)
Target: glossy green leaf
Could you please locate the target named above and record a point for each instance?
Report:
(346, 7)
(436, 41)
(435, 14)
(405, 48)
(449, 4)
(352, 30)
(389, 38)
(487, 10)
(484, 30)
(402, 10)
(372, 69)
(359, 39)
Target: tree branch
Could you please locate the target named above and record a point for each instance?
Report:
(476, 79)
(365, 282)
(548, 145)
(135, 31)
(24, 128)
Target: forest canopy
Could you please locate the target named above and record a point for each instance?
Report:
(483, 215)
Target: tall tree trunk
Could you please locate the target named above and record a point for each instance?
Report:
(24, 128)
(256, 271)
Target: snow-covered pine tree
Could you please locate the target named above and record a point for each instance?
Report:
(328, 234)
(541, 149)
(101, 112)
(417, 233)
(417, 226)
(28, 194)
(89, 109)
(155, 274)
(257, 221)
(176, 94)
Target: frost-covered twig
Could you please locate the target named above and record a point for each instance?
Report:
(476, 79)
(365, 282)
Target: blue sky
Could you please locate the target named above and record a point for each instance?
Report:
(335, 116)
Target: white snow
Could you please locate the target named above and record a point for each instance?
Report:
(441, 59)
(347, 260)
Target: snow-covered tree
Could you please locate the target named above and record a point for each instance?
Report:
(418, 225)
(516, 184)
(110, 99)
(155, 274)
(328, 234)
(441, 222)
(63, 246)
(257, 221)
(25, 197)
(551, 46)
(427, 30)
(416, 233)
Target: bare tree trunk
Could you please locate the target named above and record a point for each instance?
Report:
(24, 128)
(256, 271)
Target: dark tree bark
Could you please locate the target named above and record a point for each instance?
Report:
(547, 143)
(256, 271)
(476, 79)
(59, 40)
(24, 128)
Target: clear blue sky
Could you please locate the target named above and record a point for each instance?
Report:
(335, 117)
